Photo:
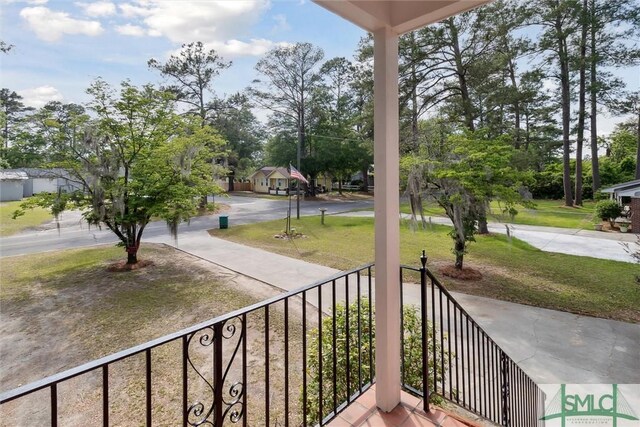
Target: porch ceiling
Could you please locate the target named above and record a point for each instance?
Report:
(399, 15)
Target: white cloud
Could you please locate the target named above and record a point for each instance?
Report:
(131, 30)
(235, 48)
(218, 24)
(192, 20)
(281, 24)
(37, 97)
(98, 8)
(129, 10)
(51, 26)
(35, 2)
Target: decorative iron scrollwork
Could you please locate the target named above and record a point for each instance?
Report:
(220, 407)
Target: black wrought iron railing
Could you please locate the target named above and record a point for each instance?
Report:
(464, 365)
(296, 359)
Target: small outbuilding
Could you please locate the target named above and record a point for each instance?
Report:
(11, 185)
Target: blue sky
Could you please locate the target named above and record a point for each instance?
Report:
(62, 45)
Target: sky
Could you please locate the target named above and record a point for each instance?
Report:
(61, 46)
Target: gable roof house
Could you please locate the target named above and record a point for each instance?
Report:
(270, 180)
(259, 182)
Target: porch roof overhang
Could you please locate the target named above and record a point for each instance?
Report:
(400, 15)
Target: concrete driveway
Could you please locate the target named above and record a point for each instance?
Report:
(551, 346)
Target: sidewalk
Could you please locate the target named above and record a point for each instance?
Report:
(551, 346)
(595, 244)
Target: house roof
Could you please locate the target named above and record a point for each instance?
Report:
(266, 170)
(400, 15)
(632, 192)
(625, 186)
(12, 175)
(282, 171)
(41, 172)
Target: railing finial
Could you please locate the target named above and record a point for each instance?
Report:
(423, 259)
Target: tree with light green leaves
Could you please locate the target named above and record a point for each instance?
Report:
(462, 173)
(138, 160)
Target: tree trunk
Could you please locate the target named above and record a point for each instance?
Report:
(483, 227)
(595, 163)
(132, 254)
(340, 186)
(462, 79)
(414, 96)
(581, 105)
(230, 189)
(459, 249)
(516, 103)
(312, 187)
(365, 179)
(565, 81)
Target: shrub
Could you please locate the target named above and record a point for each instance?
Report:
(608, 210)
(412, 352)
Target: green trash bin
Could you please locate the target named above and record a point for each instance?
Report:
(224, 221)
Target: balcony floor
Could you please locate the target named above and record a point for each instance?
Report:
(364, 413)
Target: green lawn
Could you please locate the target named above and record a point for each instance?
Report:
(31, 218)
(549, 213)
(512, 270)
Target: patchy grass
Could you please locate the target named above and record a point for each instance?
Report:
(62, 309)
(512, 270)
(31, 218)
(548, 213)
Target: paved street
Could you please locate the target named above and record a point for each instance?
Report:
(73, 233)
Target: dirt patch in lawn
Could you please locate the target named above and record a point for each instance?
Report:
(58, 321)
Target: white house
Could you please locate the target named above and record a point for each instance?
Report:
(11, 185)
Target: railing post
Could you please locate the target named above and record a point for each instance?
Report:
(217, 373)
(425, 338)
(504, 371)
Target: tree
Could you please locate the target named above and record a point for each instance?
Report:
(289, 77)
(362, 87)
(233, 118)
(139, 160)
(612, 24)
(40, 134)
(582, 82)
(559, 19)
(192, 72)
(338, 147)
(13, 112)
(631, 105)
(541, 132)
(461, 174)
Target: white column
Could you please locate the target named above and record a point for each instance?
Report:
(387, 210)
